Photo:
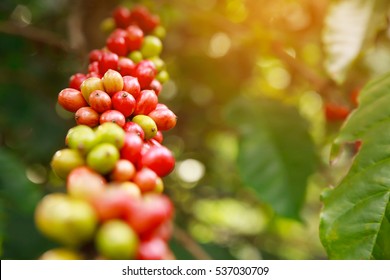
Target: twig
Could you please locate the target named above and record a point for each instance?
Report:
(190, 245)
(320, 84)
(34, 34)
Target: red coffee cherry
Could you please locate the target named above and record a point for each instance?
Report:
(146, 179)
(113, 116)
(153, 249)
(134, 128)
(71, 99)
(124, 102)
(145, 72)
(146, 102)
(87, 116)
(100, 101)
(135, 37)
(125, 66)
(149, 212)
(108, 60)
(156, 86)
(159, 159)
(164, 118)
(132, 147)
(131, 85)
(123, 171)
(121, 17)
(76, 80)
(95, 55)
(117, 44)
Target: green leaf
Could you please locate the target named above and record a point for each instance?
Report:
(349, 26)
(19, 238)
(355, 218)
(276, 153)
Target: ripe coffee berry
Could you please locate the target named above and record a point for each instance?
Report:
(165, 119)
(84, 183)
(76, 80)
(87, 116)
(113, 116)
(146, 102)
(71, 99)
(134, 128)
(135, 37)
(145, 74)
(95, 55)
(159, 137)
(125, 66)
(156, 86)
(142, 17)
(117, 45)
(121, 17)
(159, 159)
(100, 101)
(108, 60)
(123, 171)
(132, 147)
(124, 102)
(153, 249)
(148, 213)
(93, 67)
(131, 85)
(146, 179)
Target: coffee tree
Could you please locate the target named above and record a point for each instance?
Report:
(279, 151)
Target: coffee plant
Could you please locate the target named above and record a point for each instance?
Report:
(280, 152)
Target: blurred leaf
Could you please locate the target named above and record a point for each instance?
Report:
(355, 219)
(16, 190)
(18, 197)
(276, 154)
(349, 26)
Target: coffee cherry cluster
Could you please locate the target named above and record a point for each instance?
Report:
(114, 161)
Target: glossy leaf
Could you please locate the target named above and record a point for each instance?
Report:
(349, 26)
(355, 219)
(276, 154)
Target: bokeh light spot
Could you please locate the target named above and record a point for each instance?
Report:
(190, 170)
(169, 90)
(236, 10)
(219, 45)
(36, 173)
(22, 14)
(201, 95)
(278, 78)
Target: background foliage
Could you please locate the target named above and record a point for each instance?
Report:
(250, 80)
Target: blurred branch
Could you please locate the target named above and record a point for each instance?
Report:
(190, 245)
(34, 34)
(76, 37)
(320, 84)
